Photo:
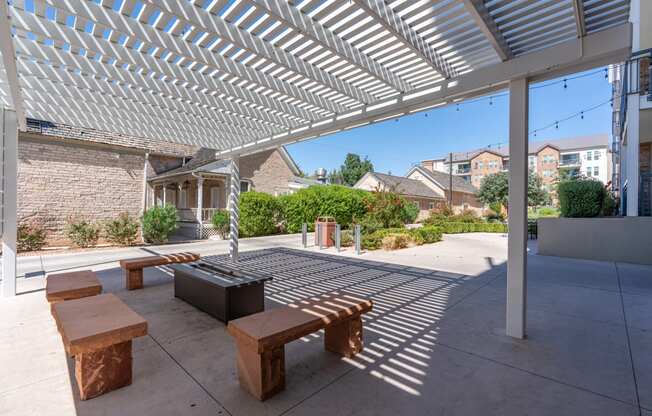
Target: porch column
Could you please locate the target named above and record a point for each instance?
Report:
(234, 198)
(165, 200)
(517, 215)
(145, 186)
(200, 198)
(9, 132)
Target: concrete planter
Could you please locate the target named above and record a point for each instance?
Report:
(626, 239)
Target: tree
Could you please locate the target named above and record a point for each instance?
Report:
(536, 193)
(495, 187)
(354, 168)
(335, 177)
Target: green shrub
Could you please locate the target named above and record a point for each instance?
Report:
(31, 235)
(466, 227)
(82, 233)
(609, 205)
(410, 213)
(122, 231)
(416, 236)
(426, 235)
(390, 209)
(221, 223)
(547, 212)
(369, 224)
(304, 206)
(346, 238)
(580, 198)
(395, 241)
(158, 223)
(259, 214)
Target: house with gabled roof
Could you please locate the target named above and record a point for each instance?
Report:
(425, 189)
(66, 172)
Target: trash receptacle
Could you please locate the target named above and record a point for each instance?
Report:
(327, 233)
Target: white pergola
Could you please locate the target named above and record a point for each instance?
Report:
(240, 76)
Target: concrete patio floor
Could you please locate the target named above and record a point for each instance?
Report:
(434, 344)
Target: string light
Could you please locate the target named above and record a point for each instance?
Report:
(565, 84)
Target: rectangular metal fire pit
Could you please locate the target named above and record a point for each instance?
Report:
(219, 290)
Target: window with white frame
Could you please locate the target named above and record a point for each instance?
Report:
(244, 186)
(596, 171)
(596, 155)
(589, 156)
(431, 205)
(588, 171)
(183, 198)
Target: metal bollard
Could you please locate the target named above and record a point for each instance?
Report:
(357, 239)
(304, 235)
(338, 235)
(319, 231)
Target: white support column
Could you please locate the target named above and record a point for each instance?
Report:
(517, 238)
(9, 135)
(234, 198)
(632, 149)
(165, 195)
(200, 199)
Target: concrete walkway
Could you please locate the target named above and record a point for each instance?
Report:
(434, 344)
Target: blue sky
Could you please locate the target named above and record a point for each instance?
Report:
(394, 146)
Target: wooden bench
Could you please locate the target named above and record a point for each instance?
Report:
(97, 331)
(133, 268)
(260, 338)
(71, 285)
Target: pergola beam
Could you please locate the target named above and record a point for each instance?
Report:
(205, 21)
(597, 49)
(9, 62)
(119, 23)
(283, 11)
(392, 22)
(578, 10)
(488, 27)
(28, 22)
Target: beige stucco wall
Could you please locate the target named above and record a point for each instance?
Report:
(625, 239)
(57, 180)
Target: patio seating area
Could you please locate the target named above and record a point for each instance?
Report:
(434, 343)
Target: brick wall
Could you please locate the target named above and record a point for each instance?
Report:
(484, 164)
(57, 180)
(547, 165)
(267, 171)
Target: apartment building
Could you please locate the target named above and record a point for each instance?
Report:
(588, 156)
(632, 117)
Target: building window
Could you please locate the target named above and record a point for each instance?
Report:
(589, 156)
(596, 172)
(588, 171)
(244, 186)
(431, 205)
(183, 198)
(215, 197)
(596, 155)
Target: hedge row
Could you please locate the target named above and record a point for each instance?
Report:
(466, 227)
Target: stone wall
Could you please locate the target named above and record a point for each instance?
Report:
(57, 180)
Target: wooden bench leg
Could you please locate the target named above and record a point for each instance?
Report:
(345, 338)
(134, 279)
(104, 370)
(263, 375)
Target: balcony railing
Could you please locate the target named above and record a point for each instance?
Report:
(463, 171)
(569, 162)
(636, 79)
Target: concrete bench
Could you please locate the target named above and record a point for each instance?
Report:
(71, 285)
(133, 268)
(260, 338)
(98, 331)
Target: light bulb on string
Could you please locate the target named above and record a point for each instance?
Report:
(565, 85)
(582, 115)
(557, 125)
(491, 100)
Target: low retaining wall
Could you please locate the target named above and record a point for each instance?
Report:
(626, 239)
